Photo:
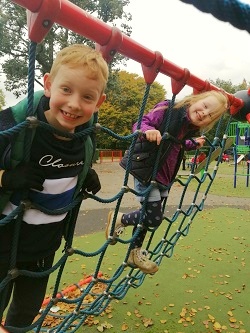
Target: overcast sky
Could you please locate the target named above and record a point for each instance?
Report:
(189, 38)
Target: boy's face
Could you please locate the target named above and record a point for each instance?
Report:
(201, 112)
(74, 97)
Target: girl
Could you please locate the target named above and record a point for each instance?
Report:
(193, 114)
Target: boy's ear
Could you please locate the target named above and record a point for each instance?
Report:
(47, 84)
(101, 100)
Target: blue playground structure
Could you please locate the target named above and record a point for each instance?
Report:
(241, 150)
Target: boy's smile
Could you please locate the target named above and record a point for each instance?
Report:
(75, 95)
(69, 115)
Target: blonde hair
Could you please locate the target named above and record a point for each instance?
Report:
(78, 55)
(223, 105)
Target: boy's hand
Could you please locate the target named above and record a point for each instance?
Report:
(92, 182)
(24, 176)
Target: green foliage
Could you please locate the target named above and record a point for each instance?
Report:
(121, 110)
(15, 42)
(229, 87)
(2, 99)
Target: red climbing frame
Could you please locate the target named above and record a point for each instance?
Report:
(43, 13)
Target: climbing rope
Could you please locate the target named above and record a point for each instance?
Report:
(104, 288)
(115, 286)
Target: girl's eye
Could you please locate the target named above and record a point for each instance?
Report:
(65, 89)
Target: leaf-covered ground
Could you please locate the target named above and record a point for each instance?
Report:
(202, 288)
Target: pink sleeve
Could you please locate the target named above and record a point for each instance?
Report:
(189, 145)
(154, 118)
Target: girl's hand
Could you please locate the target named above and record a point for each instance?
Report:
(200, 141)
(153, 135)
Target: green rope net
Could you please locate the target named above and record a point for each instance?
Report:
(94, 294)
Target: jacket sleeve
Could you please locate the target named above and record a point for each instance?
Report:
(189, 145)
(154, 118)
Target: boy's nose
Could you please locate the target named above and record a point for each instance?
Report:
(74, 102)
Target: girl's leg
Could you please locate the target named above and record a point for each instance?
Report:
(152, 218)
(28, 294)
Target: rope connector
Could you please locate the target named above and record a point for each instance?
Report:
(70, 251)
(27, 204)
(154, 183)
(55, 300)
(166, 135)
(34, 122)
(140, 226)
(14, 273)
(76, 312)
(86, 195)
(98, 127)
(94, 280)
(126, 188)
(141, 134)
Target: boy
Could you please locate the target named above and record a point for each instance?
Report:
(73, 92)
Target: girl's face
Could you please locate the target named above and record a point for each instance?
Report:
(74, 96)
(201, 112)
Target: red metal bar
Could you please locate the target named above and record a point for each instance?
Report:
(76, 19)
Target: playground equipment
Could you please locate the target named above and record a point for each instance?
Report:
(41, 16)
(213, 155)
(240, 133)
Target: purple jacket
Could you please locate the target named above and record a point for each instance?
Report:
(153, 120)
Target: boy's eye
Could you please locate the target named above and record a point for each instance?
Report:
(65, 89)
(87, 97)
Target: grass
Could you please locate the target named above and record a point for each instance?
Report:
(203, 286)
(223, 184)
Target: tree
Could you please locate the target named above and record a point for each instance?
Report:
(122, 107)
(15, 42)
(229, 87)
(2, 99)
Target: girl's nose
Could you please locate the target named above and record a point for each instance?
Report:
(205, 113)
